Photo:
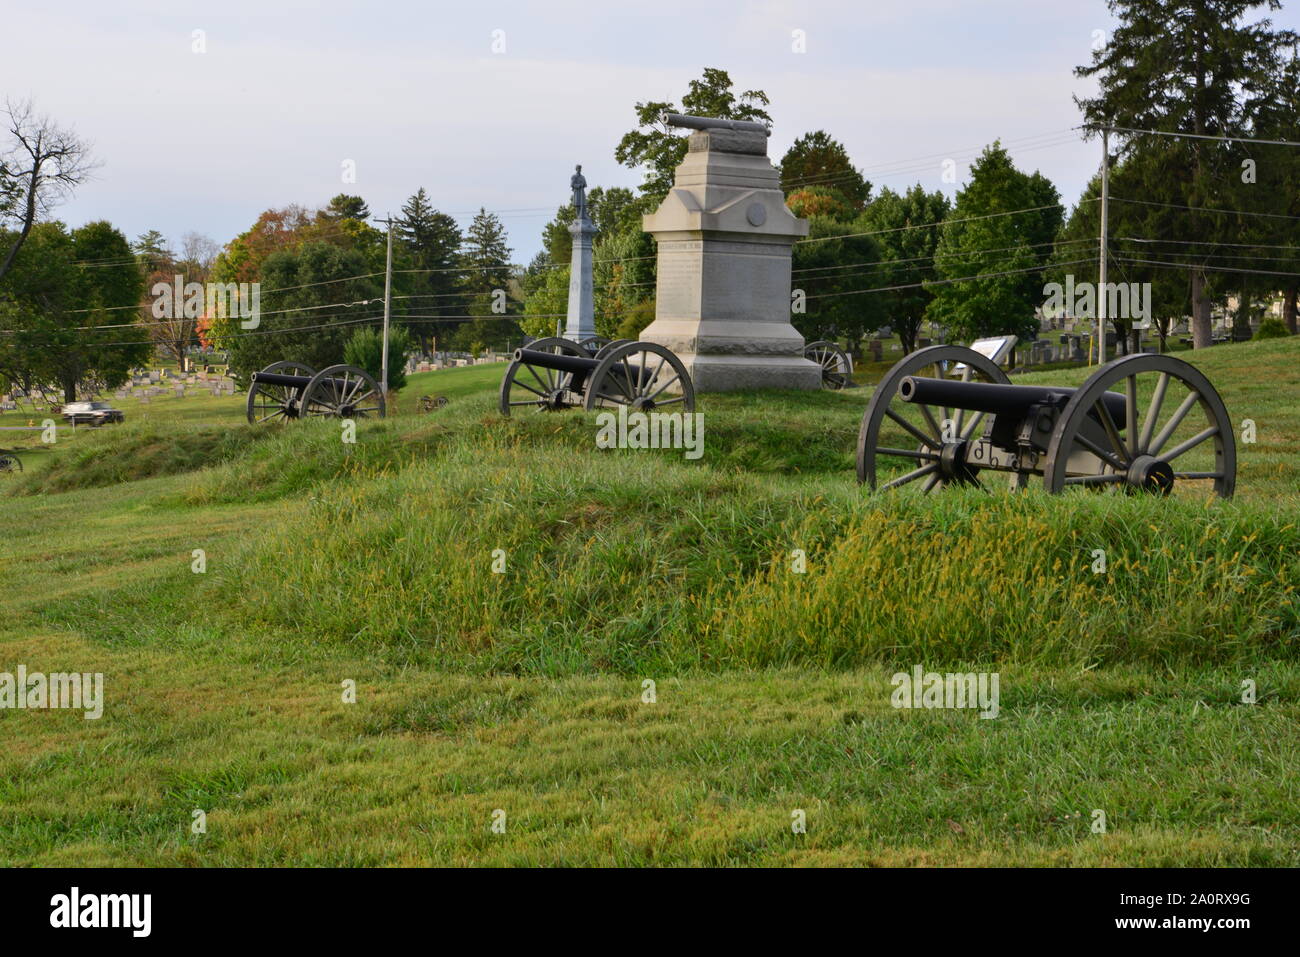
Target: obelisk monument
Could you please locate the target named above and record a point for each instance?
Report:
(581, 321)
(725, 241)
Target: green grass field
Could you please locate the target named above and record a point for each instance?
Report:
(523, 692)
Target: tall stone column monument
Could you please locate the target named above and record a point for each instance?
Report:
(725, 238)
(581, 321)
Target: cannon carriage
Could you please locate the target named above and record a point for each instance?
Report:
(556, 373)
(946, 415)
(289, 389)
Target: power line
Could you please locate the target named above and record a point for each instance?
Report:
(941, 222)
(1202, 209)
(1195, 136)
(944, 282)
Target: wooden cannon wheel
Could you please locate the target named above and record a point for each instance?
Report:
(1176, 434)
(267, 401)
(899, 442)
(833, 360)
(642, 376)
(344, 392)
(592, 344)
(610, 346)
(527, 385)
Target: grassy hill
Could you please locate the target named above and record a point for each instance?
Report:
(523, 691)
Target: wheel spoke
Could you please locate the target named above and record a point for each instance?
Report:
(1109, 479)
(1190, 444)
(1159, 441)
(1112, 432)
(972, 425)
(1131, 414)
(929, 418)
(1153, 412)
(660, 390)
(524, 385)
(916, 433)
(1101, 453)
(1192, 476)
(911, 476)
(908, 453)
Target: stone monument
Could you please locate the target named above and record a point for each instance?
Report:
(581, 321)
(725, 238)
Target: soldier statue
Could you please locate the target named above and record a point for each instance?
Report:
(578, 183)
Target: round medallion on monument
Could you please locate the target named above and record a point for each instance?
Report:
(756, 214)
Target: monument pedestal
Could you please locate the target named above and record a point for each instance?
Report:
(581, 320)
(723, 290)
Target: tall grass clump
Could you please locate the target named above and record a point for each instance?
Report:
(629, 562)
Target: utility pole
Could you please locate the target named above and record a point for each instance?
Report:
(388, 308)
(1101, 266)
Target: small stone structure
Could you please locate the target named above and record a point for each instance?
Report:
(725, 238)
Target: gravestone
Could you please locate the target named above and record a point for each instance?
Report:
(724, 239)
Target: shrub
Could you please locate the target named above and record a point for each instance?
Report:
(365, 350)
(1272, 328)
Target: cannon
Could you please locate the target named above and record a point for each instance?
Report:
(946, 415)
(293, 390)
(555, 373)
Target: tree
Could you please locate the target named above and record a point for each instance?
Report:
(67, 301)
(817, 160)
(1181, 66)
(830, 268)
(485, 258)
(996, 234)
(41, 166)
(432, 240)
(613, 210)
(344, 206)
(906, 245)
(152, 251)
(316, 297)
(808, 201)
(656, 147)
(365, 349)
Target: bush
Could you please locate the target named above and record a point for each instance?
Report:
(1272, 328)
(365, 350)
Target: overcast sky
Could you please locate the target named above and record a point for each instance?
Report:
(412, 92)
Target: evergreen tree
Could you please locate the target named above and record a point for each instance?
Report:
(432, 241)
(817, 160)
(1184, 66)
(996, 234)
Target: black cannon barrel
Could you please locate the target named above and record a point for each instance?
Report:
(291, 381)
(996, 399)
(581, 366)
(554, 360)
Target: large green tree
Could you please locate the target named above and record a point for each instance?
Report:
(817, 160)
(489, 280)
(1184, 66)
(311, 306)
(432, 240)
(659, 149)
(66, 304)
(829, 270)
(993, 250)
(906, 244)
